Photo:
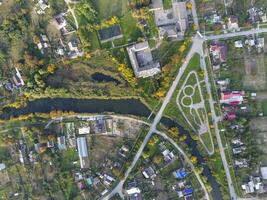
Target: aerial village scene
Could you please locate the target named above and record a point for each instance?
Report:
(133, 99)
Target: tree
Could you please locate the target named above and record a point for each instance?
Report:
(51, 68)
(193, 159)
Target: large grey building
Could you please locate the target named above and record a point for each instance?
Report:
(142, 60)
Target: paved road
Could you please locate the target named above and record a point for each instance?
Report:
(72, 12)
(235, 34)
(216, 128)
(197, 46)
(118, 188)
(187, 160)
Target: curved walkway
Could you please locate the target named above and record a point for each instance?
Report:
(201, 122)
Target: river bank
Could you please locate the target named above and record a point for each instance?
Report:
(118, 106)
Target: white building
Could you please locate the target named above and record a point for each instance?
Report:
(142, 60)
(264, 173)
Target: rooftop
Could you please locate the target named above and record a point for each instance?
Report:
(110, 33)
(142, 60)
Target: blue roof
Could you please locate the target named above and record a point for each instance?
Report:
(180, 173)
(187, 191)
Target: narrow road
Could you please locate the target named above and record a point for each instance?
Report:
(72, 12)
(166, 137)
(216, 127)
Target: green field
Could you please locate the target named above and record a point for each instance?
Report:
(264, 107)
(107, 9)
(207, 140)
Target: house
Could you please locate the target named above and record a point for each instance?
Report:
(237, 142)
(253, 15)
(142, 61)
(23, 153)
(263, 18)
(230, 116)
(110, 33)
(218, 51)
(82, 151)
(263, 171)
(254, 184)
(233, 23)
(43, 42)
(238, 44)
(61, 143)
(172, 22)
(105, 191)
(259, 42)
(84, 130)
(168, 156)
(180, 173)
(149, 173)
(232, 98)
(188, 191)
(2, 166)
(60, 22)
(238, 150)
(241, 163)
(134, 190)
(17, 79)
(41, 6)
(73, 51)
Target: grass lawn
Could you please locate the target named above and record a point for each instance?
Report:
(129, 28)
(172, 109)
(107, 9)
(207, 140)
(167, 4)
(264, 107)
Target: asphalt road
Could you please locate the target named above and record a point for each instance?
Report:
(197, 47)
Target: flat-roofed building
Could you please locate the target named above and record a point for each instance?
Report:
(142, 61)
(110, 33)
(172, 22)
(82, 151)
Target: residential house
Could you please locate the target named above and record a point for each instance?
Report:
(73, 51)
(23, 153)
(84, 130)
(149, 173)
(241, 163)
(238, 44)
(180, 173)
(218, 51)
(82, 151)
(232, 98)
(233, 24)
(238, 150)
(168, 156)
(61, 143)
(60, 22)
(254, 184)
(172, 22)
(142, 61)
(134, 193)
(43, 43)
(17, 79)
(253, 15)
(41, 6)
(263, 171)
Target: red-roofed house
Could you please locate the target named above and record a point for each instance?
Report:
(232, 98)
(230, 116)
(218, 52)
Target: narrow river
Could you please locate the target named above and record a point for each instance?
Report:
(125, 106)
